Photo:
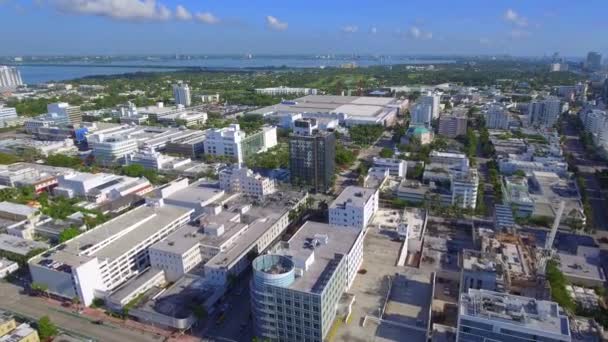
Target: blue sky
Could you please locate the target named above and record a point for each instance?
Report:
(296, 26)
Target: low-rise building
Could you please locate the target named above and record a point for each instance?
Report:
(243, 180)
(7, 267)
(17, 246)
(396, 167)
(503, 317)
(22, 333)
(354, 207)
(103, 258)
(100, 187)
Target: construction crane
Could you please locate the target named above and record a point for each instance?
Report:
(546, 253)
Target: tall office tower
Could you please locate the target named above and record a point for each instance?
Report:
(493, 316)
(544, 113)
(421, 115)
(432, 100)
(181, 94)
(594, 61)
(312, 156)
(10, 77)
(73, 113)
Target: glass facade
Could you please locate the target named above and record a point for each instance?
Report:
(312, 160)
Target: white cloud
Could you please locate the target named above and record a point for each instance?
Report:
(115, 9)
(373, 30)
(181, 13)
(515, 18)
(518, 34)
(207, 18)
(274, 23)
(416, 33)
(350, 29)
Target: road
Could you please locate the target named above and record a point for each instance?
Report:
(349, 177)
(12, 299)
(587, 167)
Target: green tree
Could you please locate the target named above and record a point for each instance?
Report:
(46, 328)
(68, 234)
(386, 153)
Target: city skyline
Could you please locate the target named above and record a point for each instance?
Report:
(361, 27)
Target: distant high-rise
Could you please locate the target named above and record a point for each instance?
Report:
(312, 157)
(544, 113)
(421, 115)
(181, 94)
(497, 117)
(73, 113)
(594, 61)
(432, 100)
(10, 77)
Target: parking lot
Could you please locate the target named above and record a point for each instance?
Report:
(371, 288)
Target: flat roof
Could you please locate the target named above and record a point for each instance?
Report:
(339, 240)
(134, 284)
(18, 245)
(197, 192)
(19, 209)
(353, 195)
(580, 266)
(127, 230)
(539, 315)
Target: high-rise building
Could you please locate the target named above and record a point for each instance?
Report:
(497, 117)
(72, 113)
(10, 77)
(312, 158)
(594, 61)
(493, 316)
(544, 113)
(432, 100)
(296, 287)
(452, 126)
(181, 94)
(421, 115)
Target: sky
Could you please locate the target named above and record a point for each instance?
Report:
(411, 27)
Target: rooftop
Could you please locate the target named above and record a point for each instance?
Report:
(332, 241)
(18, 334)
(18, 245)
(353, 196)
(539, 315)
(18, 209)
(113, 238)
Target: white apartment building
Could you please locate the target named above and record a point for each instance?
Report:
(596, 124)
(10, 77)
(7, 114)
(433, 100)
(464, 186)
(544, 113)
(210, 98)
(354, 207)
(280, 91)
(154, 160)
(63, 109)
(494, 316)
(113, 144)
(225, 142)
(509, 166)
(497, 117)
(99, 187)
(450, 158)
(242, 179)
(181, 94)
(396, 167)
(421, 114)
(103, 258)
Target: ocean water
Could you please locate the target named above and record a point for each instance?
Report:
(40, 73)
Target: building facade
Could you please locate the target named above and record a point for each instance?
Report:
(181, 94)
(452, 126)
(10, 77)
(354, 207)
(544, 113)
(312, 160)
